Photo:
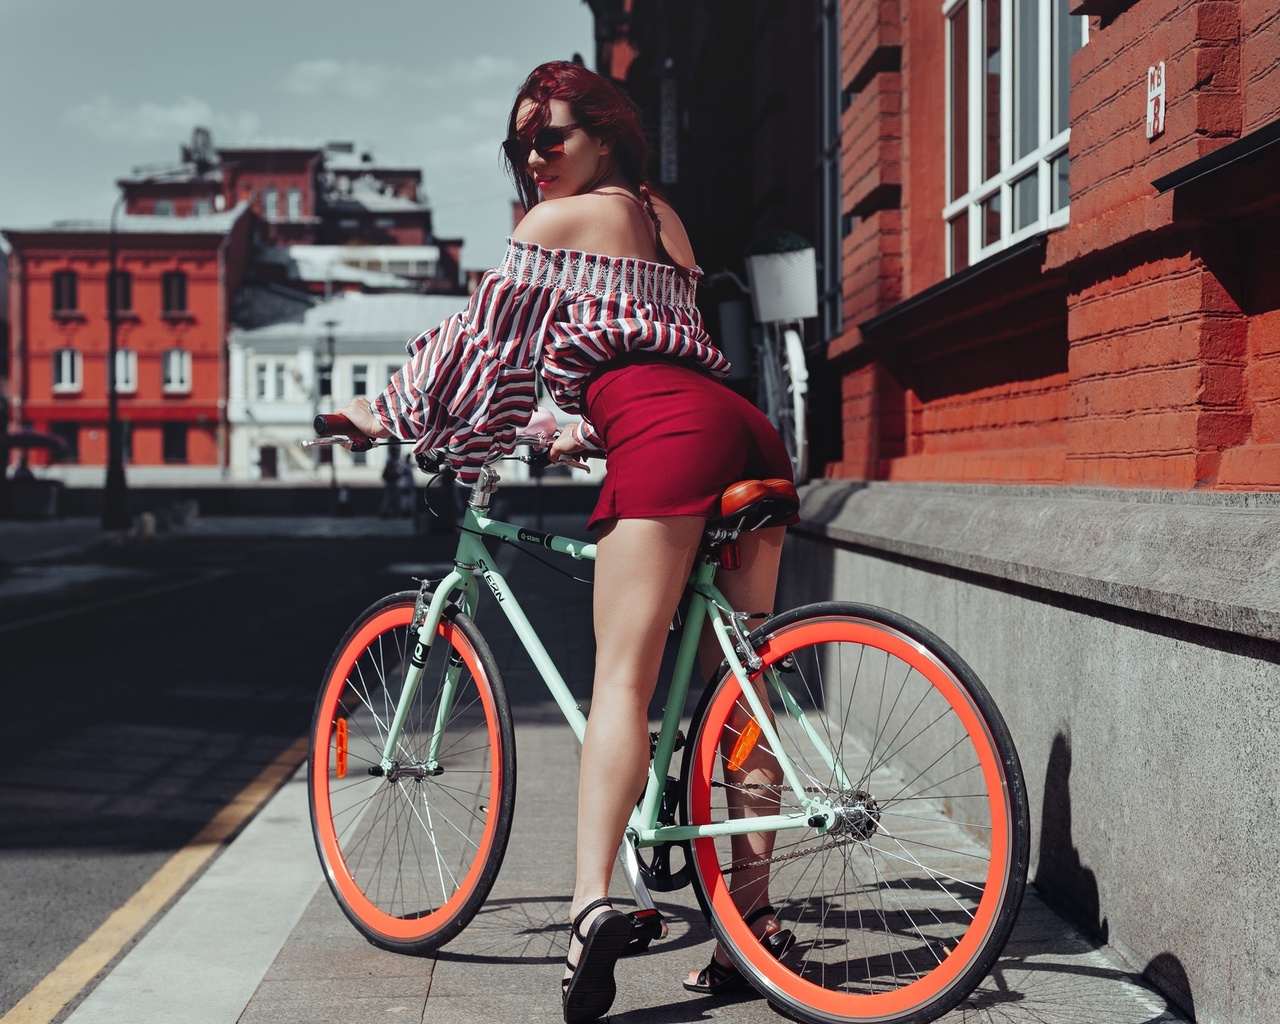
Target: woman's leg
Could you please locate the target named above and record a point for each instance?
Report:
(750, 588)
(642, 566)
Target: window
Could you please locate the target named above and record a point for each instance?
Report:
(201, 208)
(394, 368)
(177, 371)
(360, 379)
(68, 373)
(70, 434)
(174, 442)
(268, 379)
(163, 208)
(174, 285)
(830, 222)
(270, 203)
(293, 204)
(64, 291)
(123, 289)
(1008, 77)
(126, 442)
(126, 371)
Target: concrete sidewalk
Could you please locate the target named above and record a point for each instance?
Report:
(259, 940)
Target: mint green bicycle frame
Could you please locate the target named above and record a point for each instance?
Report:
(461, 587)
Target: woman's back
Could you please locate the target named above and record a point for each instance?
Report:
(611, 222)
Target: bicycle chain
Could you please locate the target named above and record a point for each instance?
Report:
(795, 854)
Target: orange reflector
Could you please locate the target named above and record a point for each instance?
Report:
(341, 739)
(746, 743)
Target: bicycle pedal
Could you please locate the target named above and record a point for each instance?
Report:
(653, 742)
(646, 925)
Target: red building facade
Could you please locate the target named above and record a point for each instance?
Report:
(1019, 285)
(1088, 305)
(175, 280)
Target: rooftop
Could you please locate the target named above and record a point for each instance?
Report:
(367, 193)
(359, 317)
(375, 266)
(144, 224)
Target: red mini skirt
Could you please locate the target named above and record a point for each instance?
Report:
(676, 438)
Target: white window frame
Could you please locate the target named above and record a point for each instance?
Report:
(293, 204)
(1041, 158)
(271, 203)
(179, 382)
(359, 379)
(126, 371)
(162, 208)
(68, 371)
(270, 380)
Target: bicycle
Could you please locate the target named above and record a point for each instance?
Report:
(855, 738)
(783, 388)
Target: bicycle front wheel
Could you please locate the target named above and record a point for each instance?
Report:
(411, 850)
(902, 889)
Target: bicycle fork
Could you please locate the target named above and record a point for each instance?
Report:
(426, 616)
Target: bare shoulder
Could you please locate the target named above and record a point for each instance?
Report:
(556, 223)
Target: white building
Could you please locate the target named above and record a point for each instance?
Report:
(275, 383)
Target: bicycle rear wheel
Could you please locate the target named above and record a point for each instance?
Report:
(901, 905)
(412, 853)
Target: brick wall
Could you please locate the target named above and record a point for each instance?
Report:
(1157, 363)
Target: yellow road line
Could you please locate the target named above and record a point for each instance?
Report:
(68, 979)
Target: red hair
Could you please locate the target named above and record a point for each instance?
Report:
(598, 105)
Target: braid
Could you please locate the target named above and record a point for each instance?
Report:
(648, 205)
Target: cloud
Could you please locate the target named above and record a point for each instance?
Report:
(351, 79)
(108, 121)
(360, 80)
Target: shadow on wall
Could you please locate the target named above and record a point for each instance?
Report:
(1066, 884)
(1166, 974)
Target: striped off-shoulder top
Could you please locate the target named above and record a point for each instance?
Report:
(470, 383)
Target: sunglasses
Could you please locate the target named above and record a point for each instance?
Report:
(547, 142)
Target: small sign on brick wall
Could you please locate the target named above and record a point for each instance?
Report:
(1155, 101)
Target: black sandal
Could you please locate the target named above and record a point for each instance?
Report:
(588, 992)
(716, 979)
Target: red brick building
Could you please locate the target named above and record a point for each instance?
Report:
(176, 279)
(1049, 295)
(1019, 285)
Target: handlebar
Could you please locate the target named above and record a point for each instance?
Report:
(334, 428)
(334, 424)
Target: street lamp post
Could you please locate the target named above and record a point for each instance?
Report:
(115, 503)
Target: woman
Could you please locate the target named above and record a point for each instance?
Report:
(596, 293)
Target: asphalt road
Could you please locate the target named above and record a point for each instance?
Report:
(144, 685)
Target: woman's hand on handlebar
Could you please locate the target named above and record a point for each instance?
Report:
(563, 447)
(361, 416)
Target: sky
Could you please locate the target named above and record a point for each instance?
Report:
(90, 90)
